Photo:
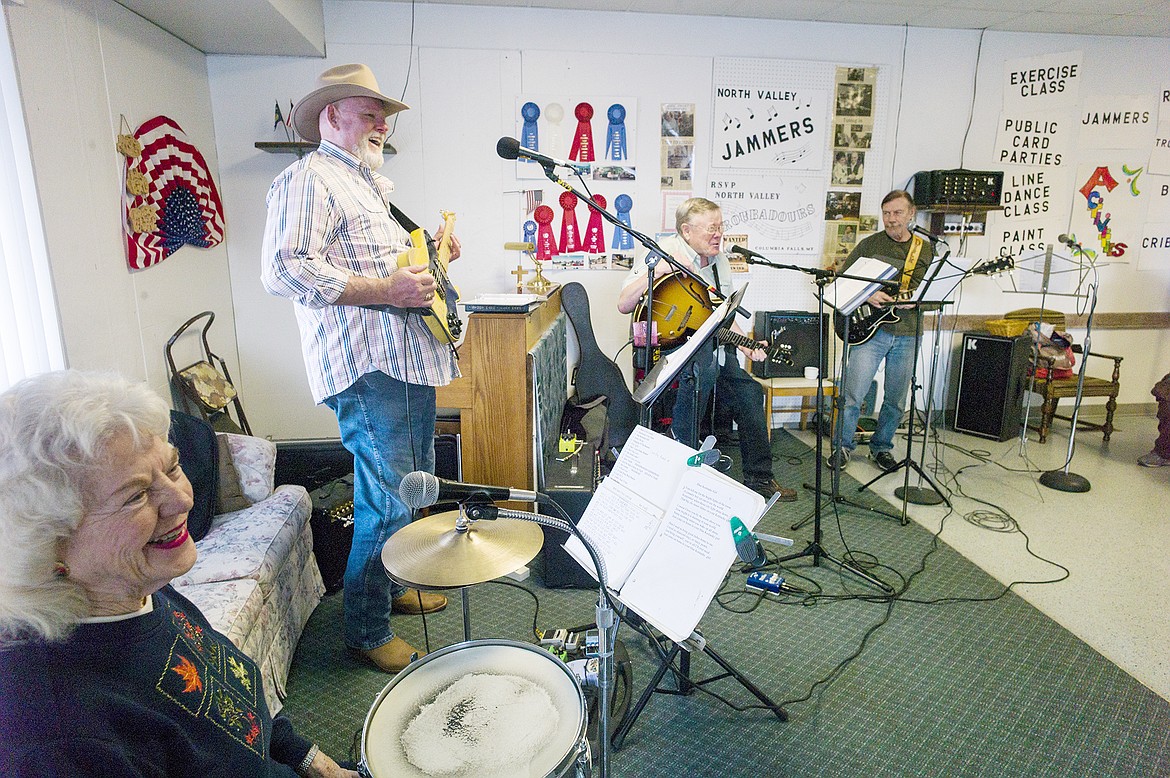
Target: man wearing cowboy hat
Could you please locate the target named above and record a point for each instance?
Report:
(331, 246)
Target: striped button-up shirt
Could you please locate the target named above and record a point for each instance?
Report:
(328, 219)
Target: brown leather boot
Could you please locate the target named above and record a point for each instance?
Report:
(412, 602)
(393, 657)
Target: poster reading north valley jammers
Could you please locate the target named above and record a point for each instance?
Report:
(767, 116)
(771, 214)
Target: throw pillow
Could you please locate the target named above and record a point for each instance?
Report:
(230, 496)
(199, 458)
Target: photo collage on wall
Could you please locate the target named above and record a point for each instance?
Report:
(854, 99)
(596, 134)
(677, 163)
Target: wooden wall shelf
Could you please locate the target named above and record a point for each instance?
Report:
(300, 147)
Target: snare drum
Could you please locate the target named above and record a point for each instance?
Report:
(478, 709)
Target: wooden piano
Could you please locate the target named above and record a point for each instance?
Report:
(494, 396)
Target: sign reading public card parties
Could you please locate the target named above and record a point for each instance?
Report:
(770, 214)
(1035, 139)
(766, 122)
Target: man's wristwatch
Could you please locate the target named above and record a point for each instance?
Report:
(303, 767)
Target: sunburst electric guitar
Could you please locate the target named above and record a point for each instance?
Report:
(442, 316)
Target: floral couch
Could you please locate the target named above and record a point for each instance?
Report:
(256, 579)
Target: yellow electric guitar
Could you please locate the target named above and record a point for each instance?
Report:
(442, 316)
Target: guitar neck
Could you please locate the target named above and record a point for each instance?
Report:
(731, 338)
(443, 252)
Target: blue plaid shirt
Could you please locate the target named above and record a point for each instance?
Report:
(328, 219)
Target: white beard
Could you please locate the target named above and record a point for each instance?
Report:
(369, 156)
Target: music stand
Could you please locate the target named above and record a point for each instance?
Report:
(669, 366)
(922, 298)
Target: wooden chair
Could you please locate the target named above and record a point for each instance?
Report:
(1055, 389)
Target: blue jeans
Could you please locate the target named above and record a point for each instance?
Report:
(743, 396)
(897, 351)
(389, 427)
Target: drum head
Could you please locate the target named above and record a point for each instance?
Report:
(476, 710)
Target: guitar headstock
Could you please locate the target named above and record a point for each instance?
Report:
(994, 266)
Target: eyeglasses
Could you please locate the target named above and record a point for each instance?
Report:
(710, 229)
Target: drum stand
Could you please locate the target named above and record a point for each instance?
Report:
(607, 626)
(696, 642)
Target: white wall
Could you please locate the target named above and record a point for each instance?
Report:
(467, 68)
(81, 64)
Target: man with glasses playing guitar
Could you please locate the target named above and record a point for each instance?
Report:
(883, 335)
(698, 245)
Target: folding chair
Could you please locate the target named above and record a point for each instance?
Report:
(205, 387)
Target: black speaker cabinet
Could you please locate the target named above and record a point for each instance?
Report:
(797, 329)
(571, 483)
(993, 374)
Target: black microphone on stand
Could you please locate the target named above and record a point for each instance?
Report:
(928, 235)
(1068, 240)
(420, 489)
(510, 148)
(748, 255)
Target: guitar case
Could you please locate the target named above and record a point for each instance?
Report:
(597, 376)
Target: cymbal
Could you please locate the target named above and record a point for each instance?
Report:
(431, 554)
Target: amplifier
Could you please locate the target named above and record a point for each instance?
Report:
(571, 483)
(797, 329)
(993, 373)
(957, 187)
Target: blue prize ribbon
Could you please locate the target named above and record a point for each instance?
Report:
(529, 112)
(615, 136)
(529, 231)
(622, 239)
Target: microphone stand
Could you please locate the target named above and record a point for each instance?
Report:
(815, 549)
(605, 615)
(1062, 480)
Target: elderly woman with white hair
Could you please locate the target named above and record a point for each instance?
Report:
(104, 668)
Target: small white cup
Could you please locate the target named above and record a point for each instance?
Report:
(811, 373)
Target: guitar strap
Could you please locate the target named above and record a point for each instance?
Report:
(408, 224)
(907, 268)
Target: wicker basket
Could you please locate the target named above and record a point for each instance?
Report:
(1007, 328)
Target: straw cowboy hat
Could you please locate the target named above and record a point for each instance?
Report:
(335, 84)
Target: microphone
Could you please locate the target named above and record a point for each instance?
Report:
(1067, 240)
(510, 148)
(420, 489)
(928, 235)
(747, 253)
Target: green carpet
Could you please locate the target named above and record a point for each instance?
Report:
(947, 689)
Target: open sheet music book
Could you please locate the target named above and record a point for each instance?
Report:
(663, 529)
(847, 294)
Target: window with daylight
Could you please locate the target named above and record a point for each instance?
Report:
(30, 336)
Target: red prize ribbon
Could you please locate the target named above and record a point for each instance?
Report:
(582, 149)
(570, 237)
(546, 244)
(594, 234)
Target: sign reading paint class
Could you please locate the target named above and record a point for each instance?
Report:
(1043, 81)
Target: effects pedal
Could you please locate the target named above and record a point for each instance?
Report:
(765, 583)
